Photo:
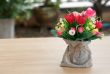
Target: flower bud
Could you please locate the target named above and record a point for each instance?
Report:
(80, 29)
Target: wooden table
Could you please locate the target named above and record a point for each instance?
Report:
(43, 56)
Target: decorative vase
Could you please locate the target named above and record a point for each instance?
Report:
(77, 54)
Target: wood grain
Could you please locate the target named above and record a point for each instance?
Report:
(43, 56)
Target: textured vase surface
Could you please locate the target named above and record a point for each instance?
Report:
(77, 54)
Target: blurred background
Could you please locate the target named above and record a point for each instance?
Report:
(37, 18)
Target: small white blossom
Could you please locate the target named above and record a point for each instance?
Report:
(93, 19)
(72, 32)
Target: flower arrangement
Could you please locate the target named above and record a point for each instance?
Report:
(84, 26)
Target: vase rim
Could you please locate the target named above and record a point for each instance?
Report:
(76, 40)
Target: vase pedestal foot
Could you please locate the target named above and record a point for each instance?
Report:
(65, 64)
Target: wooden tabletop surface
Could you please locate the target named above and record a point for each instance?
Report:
(43, 56)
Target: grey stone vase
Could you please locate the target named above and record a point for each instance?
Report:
(77, 54)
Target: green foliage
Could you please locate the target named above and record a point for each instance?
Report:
(10, 8)
(24, 15)
(66, 25)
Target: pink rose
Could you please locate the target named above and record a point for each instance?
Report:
(59, 33)
(76, 14)
(83, 13)
(90, 12)
(80, 29)
(98, 34)
(98, 24)
(70, 18)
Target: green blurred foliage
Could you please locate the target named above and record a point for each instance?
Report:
(11, 8)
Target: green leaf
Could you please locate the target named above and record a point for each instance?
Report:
(66, 24)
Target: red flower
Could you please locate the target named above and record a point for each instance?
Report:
(59, 33)
(70, 18)
(83, 14)
(98, 24)
(80, 20)
(80, 29)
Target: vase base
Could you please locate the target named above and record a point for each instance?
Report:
(87, 65)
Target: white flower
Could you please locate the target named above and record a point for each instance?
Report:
(60, 20)
(72, 32)
(93, 19)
